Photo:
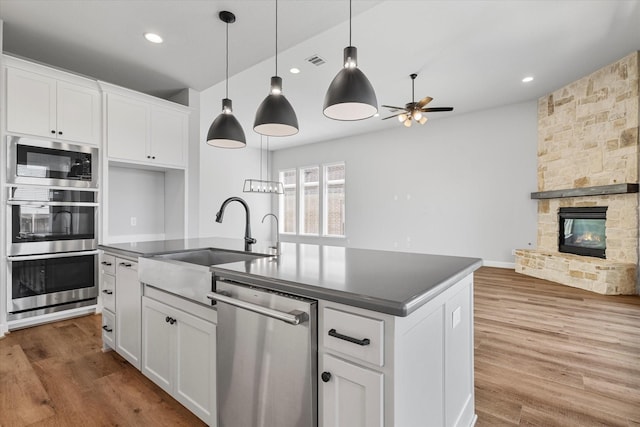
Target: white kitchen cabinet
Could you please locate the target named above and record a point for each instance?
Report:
(142, 132)
(128, 310)
(179, 354)
(42, 105)
(377, 369)
(352, 395)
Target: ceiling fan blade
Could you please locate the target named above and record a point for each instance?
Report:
(390, 117)
(393, 107)
(424, 101)
(435, 109)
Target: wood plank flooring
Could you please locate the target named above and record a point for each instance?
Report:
(545, 355)
(550, 355)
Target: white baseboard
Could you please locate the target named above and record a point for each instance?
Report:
(499, 264)
(4, 328)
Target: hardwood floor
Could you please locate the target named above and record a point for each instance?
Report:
(550, 355)
(545, 355)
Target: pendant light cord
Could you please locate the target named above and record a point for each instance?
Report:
(227, 79)
(276, 37)
(349, 22)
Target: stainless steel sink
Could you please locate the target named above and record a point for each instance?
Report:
(187, 273)
(209, 257)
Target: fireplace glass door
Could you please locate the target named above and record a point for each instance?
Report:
(582, 231)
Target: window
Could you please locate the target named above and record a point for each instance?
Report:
(310, 200)
(333, 215)
(313, 202)
(288, 201)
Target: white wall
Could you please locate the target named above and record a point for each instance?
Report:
(222, 175)
(136, 193)
(455, 186)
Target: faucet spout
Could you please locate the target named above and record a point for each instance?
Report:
(248, 240)
(277, 246)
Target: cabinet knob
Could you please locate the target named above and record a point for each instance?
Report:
(172, 321)
(326, 376)
(153, 157)
(166, 319)
(53, 131)
(59, 132)
(148, 157)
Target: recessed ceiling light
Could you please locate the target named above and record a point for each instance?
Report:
(527, 79)
(294, 70)
(153, 38)
(376, 115)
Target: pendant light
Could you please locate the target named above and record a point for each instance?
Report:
(350, 95)
(275, 115)
(226, 131)
(261, 185)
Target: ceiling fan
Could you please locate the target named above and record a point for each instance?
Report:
(414, 110)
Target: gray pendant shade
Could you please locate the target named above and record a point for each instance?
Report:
(275, 115)
(226, 131)
(350, 95)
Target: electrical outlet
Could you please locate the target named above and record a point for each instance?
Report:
(134, 221)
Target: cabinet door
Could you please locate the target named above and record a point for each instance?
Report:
(168, 136)
(128, 304)
(158, 337)
(127, 128)
(78, 113)
(31, 103)
(353, 396)
(195, 367)
(108, 291)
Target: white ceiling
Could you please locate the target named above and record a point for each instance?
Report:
(469, 54)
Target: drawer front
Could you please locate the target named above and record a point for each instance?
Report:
(125, 263)
(108, 292)
(354, 335)
(108, 264)
(109, 328)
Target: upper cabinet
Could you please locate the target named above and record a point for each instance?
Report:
(47, 106)
(146, 131)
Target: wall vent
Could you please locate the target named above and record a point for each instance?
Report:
(316, 60)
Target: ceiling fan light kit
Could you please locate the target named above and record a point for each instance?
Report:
(350, 95)
(414, 110)
(226, 131)
(275, 115)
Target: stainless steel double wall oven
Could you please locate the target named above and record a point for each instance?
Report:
(52, 223)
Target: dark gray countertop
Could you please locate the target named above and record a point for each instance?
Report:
(395, 283)
(157, 247)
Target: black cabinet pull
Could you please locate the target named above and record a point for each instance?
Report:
(125, 264)
(107, 328)
(364, 341)
(166, 319)
(153, 157)
(106, 263)
(53, 131)
(326, 376)
(60, 132)
(148, 157)
(172, 321)
(108, 291)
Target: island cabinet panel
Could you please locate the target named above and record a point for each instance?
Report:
(352, 396)
(128, 310)
(179, 353)
(40, 104)
(425, 368)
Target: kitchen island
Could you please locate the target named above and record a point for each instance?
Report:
(408, 321)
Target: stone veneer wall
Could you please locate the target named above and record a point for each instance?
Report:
(588, 136)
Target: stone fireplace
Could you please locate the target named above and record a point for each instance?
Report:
(588, 157)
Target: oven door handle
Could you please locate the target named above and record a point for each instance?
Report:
(49, 256)
(45, 203)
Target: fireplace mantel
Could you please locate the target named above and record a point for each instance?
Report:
(600, 190)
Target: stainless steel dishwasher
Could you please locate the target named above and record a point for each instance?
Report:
(266, 357)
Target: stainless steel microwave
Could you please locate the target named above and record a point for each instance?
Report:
(50, 163)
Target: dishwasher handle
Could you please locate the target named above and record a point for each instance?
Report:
(294, 317)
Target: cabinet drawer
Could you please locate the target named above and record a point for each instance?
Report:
(125, 263)
(109, 328)
(108, 292)
(108, 264)
(354, 335)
